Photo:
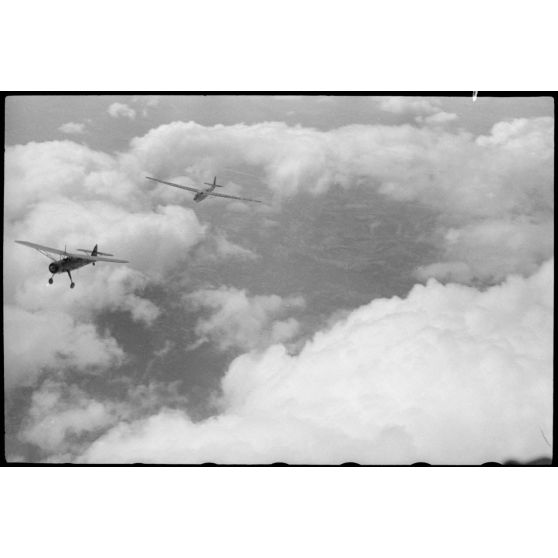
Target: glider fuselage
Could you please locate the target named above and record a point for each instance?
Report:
(202, 194)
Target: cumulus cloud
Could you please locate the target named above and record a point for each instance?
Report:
(63, 194)
(49, 170)
(450, 374)
(506, 175)
(401, 369)
(121, 110)
(73, 128)
(491, 249)
(35, 341)
(493, 194)
(63, 419)
(60, 415)
(453, 171)
(474, 184)
(166, 236)
(238, 320)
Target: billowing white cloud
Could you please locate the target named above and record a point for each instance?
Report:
(63, 194)
(62, 419)
(73, 128)
(491, 249)
(35, 341)
(472, 183)
(59, 415)
(514, 134)
(453, 172)
(153, 241)
(121, 110)
(49, 170)
(238, 320)
(409, 382)
(450, 374)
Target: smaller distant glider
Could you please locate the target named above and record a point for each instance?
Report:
(69, 261)
(200, 195)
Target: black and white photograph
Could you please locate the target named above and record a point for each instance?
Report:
(254, 279)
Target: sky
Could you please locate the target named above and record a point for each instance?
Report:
(391, 302)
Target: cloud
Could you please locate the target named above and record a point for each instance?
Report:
(217, 247)
(147, 100)
(146, 103)
(63, 194)
(35, 341)
(437, 118)
(63, 420)
(242, 321)
(514, 133)
(107, 288)
(44, 171)
(72, 128)
(491, 249)
(164, 350)
(166, 236)
(492, 196)
(450, 374)
(451, 171)
(468, 182)
(226, 248)
(58, 415)
(121, 110)
(402, 105)
(445, 271)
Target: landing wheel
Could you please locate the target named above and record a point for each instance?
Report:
(50, 281)
(72, 285)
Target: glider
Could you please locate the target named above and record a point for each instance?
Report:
(200, 195)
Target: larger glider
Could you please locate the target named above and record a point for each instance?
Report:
(69, 261)
(200, 195)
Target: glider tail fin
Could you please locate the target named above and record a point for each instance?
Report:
(214, 184)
